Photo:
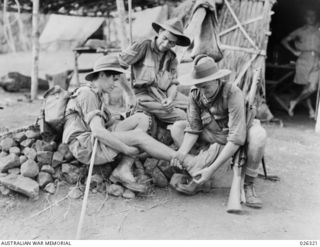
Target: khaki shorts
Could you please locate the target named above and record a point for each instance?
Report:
(82, 148)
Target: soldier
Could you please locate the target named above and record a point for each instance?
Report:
(216, 116)
(154, 67)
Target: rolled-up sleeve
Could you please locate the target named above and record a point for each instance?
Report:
(133, 53)
(237, 118)
(90, 105)
(193, 117)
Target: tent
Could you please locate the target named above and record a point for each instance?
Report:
(67, 32)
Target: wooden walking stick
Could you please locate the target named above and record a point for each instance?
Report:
(88, 182)
(86, 193)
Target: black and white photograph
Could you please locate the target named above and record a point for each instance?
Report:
(160, 120)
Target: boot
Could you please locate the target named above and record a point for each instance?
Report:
(193, 188)
(123, 175)
(251, 198)
(185, 185)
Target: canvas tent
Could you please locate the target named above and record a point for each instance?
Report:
(67, 32)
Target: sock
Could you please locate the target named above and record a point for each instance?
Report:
(248, 180)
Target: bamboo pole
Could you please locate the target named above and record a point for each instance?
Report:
(122, 20)
(35, 49)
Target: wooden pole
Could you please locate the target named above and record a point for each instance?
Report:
(35, 49)
(317, 129)
(122, 19)
(130, 20)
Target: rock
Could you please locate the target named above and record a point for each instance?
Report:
(115, 190)
(50, 188)
(53, 145)
(44, 157)
(27, 143)
(47, 168)
(128, 194)
(70, 173)
(30, 153)
(23, 159)
(63, 149)
(168, 170)
(10, 161)
(14, 150)
(45, 146)
(15, 171)
(3, 174)
(19, 137)
(3, 154)
(7, 143)
(68, 156)
(44, 178)
(96, 181)
(164, 136)
(21, 184)
(4, 190)
(29, 169)
(57, 174)
(149, 165)
(57, 159)
(159, 178)
(32, 134)
(75, 193)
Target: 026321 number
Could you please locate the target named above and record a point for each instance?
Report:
(308, 243)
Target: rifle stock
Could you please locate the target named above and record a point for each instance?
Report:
(239, 159)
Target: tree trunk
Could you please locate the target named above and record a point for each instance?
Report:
(35, 49)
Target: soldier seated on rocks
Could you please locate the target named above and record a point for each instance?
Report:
(216, 116)
(154, 67)
(88, 117)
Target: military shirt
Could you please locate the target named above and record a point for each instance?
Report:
(84, 104)
(149, 65)
(224, 115)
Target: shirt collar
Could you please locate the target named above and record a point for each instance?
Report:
(154, 45)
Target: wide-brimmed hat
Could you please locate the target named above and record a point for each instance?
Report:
(105, 63)
(204, 71)
(175, 27)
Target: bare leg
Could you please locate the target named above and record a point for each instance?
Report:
(306, 92)
(124, 169)
(177, 132)
(257, 138)
(137, 121)
(145, 142)
(310, 108)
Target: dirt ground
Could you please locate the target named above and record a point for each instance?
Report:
(291, 206)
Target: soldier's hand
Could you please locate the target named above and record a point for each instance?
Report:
(177, 160)
(132, 151)
(167, 104)
(202, 176)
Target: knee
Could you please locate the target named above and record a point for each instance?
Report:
(257, 136)
(142, 118)
(177, 128)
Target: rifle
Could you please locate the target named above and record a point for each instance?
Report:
(236, 195)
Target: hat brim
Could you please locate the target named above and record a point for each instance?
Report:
(90, 76)
(182, 39)
(188, 80)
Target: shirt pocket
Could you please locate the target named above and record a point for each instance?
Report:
(164, 79)
(206, 118)
(146, 74)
